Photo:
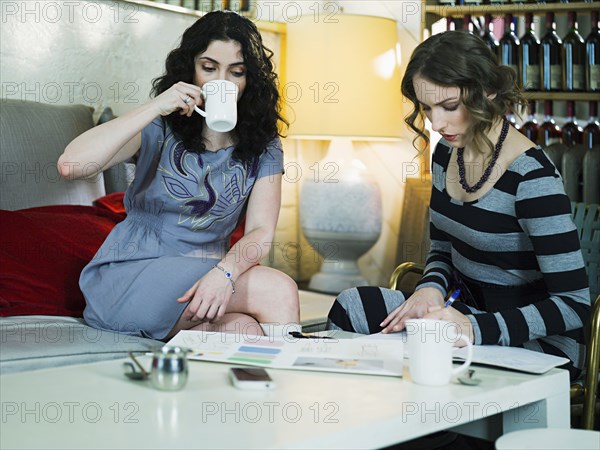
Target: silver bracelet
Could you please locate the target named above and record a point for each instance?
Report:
(228, 276)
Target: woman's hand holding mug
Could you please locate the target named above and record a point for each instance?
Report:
(181, 97)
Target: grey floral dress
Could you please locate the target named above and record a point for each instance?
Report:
(182, 208)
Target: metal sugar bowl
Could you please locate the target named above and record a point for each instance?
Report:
(169, 368)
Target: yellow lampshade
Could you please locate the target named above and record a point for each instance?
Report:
(343, 78)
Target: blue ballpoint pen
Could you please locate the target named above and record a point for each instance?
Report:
(453, 297)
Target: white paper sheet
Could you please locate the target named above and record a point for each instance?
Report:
(514, 358)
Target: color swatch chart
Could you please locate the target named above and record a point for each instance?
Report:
(374, 357)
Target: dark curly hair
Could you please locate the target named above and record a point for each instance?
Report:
(458, 58)
(258, 108)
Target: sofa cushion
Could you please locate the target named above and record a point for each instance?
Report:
(39, 342)
(42, 253)
(118, 177)
(32, 137)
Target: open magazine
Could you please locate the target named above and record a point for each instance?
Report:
(372, 357)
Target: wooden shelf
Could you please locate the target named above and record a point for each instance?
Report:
(576, 96)
(514, 8)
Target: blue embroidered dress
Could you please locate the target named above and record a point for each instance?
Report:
(182, 208)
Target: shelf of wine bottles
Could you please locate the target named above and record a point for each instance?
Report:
(553, 66)
(544, 130)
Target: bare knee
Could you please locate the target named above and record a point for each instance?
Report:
(238, 323)
(273, 295)
(289, 298)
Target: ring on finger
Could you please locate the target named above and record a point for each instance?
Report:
(187, 99)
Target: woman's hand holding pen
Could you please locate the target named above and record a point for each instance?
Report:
(450, 314)
(181, 96)
(415, 307)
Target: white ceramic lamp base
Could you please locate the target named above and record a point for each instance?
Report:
(341, 218)
(340, 253)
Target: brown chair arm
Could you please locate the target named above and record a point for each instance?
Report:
(402, 270)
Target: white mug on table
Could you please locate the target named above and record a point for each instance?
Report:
(430, 345)
(220, 105)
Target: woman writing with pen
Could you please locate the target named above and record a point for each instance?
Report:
(505, 263)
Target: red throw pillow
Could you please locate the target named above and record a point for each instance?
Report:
(112, 202)
(238, 233)
(42, 253)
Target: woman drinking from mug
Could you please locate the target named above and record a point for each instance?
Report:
(500, 222)
(168, 266)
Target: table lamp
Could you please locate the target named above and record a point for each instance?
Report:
(342, 84)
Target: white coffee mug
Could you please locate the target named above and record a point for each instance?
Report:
(430, 344)
(220, 104)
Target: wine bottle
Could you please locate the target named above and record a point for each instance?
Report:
(572, 133)
(468, 24)
(591, 132)
(531, 127)
(512, 119)
(573, 53)
(529, 57)
(488, 35)
(509, 45)
(592, 56)
(551, 61)
(549, 130)
(450, 24)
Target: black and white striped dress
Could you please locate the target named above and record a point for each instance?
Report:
(520, 233)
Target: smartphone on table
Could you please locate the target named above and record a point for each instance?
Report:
(250, 378)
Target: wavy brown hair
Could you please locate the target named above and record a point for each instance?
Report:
(460, 59)
(258, 108)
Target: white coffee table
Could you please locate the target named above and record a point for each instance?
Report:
(550, 439)
(95, 406)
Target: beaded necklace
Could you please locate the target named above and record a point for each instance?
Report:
(488, 171)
